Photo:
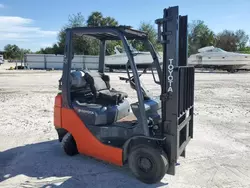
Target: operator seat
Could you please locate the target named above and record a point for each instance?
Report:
(106, 106)
(100, 87)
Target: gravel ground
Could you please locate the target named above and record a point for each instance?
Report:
(30, 155)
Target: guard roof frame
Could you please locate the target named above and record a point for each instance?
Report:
(109, 32)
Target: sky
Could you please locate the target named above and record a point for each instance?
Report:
(33, 24)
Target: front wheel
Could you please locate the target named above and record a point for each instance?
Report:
(69, 145)
(148, 164)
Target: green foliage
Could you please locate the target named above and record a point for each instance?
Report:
(86, 45)
(199, 36)
(13, 52)
(245, 50)
(148, 28)
(23, 52)
(97, 19)
(242, 37)
(227, 40)
(110, 46)
(73, 21)
(232, 41)
(109, 21)
(48, 50)
(89, 46)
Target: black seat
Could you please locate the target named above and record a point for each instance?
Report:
(100, 87)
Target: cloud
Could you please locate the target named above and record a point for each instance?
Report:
(14, 20)
(14, 28)
(44, 45)
(1, 5)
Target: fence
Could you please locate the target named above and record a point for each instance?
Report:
(51, 61)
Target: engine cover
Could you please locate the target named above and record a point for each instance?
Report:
(96, 114)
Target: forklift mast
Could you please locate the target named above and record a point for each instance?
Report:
(177, 85)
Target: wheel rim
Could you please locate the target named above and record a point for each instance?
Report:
(144, 164)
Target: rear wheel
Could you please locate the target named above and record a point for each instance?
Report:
(148, 164)
(69, 145)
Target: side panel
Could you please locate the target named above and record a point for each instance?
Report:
(87, 144)
(57, 117)
(57, 111)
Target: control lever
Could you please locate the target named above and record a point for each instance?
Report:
(127, 79)
(123, 78)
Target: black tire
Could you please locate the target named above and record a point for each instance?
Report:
(69, 145)
(148, 164)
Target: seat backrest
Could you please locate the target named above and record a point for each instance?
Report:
(77, 79)
(96, 82)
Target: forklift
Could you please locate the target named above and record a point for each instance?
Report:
(96, 120)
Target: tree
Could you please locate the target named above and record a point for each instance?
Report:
(245, 50)
(232, 41)
(199, 36)
(227, 40)
(148, 28)
(242, 39)
(83, 44)
(12, 51)
(8, 51)
(23, 52)
(109, 21)
(73, 21)
(47, 50)
(56, 49)
(95, 19)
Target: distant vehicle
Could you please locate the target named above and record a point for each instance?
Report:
(1, 59)
(216, 58)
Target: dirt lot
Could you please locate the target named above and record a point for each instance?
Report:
(30, 155)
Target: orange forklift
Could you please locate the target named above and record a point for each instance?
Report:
(96, 120)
